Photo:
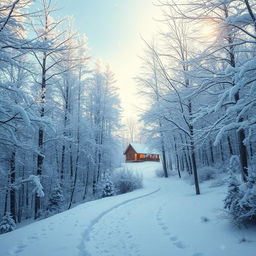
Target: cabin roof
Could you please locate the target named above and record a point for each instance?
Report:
(142, 149)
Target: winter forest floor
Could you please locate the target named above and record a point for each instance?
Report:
(165, 218)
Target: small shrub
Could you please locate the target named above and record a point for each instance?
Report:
(159, 172)
(241, 199)
(108, 189)
(218, 181)
(126, 180)
(7, 224)
(247, 203)
(207, 173)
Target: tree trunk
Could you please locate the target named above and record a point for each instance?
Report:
(164, 163)
(164, 160)
(12, 189)
(243, 154)
(193, 153)
(177, 158)
(86, 182)
(211, 152)
(73, 190)
(40, 157)
(189, 156)
(193, 157)
(62, 163)
(230, 146)
(221, 152)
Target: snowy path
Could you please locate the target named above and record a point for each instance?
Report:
(96, 221)
(163, 219)
(137, 228)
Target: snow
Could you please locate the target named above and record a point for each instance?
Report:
(38, 186)
(19, 110)
(143, 149)
(164, 218)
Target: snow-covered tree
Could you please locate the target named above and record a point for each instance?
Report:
(233, 194)
(7, 224)
(108, 189)
(103, 110)
(56, 200)
(46, 131)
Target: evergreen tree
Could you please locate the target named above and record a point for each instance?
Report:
(233, 192)
(108, 189)
(7, 224)
(248, 201)
(56, 200)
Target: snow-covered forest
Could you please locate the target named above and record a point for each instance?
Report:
(198, 74)
(58, 113)
(171, 173)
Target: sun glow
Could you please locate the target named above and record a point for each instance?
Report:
(207, 31)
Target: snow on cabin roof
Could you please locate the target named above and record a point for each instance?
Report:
(143, 149)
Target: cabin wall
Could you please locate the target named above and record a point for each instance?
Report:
(149, 157)
(131, 155)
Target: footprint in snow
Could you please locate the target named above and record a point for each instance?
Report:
(180, 245)
(18, 249)
(173, 238)
(33, 237)
(164, 227)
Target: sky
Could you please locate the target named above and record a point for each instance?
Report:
(114, 29)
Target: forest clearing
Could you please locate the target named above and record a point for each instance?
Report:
(128, 127)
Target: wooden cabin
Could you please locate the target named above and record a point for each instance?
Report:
(136, 152)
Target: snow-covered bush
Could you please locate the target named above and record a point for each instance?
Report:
(56, 200)
(248, 201)
(159, 172)
(241, 198)
(126, 180)
(220, 180)
(207, 173)
(233, 195)
(7, 224)
(108, 189)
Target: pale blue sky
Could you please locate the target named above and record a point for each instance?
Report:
(113, 28)
(107, 23)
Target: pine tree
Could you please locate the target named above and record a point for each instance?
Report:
(7, 224)
(248, 201)
(56, 200)
(108, 189)
(233, 191)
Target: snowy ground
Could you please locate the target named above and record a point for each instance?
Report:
(164, 218)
